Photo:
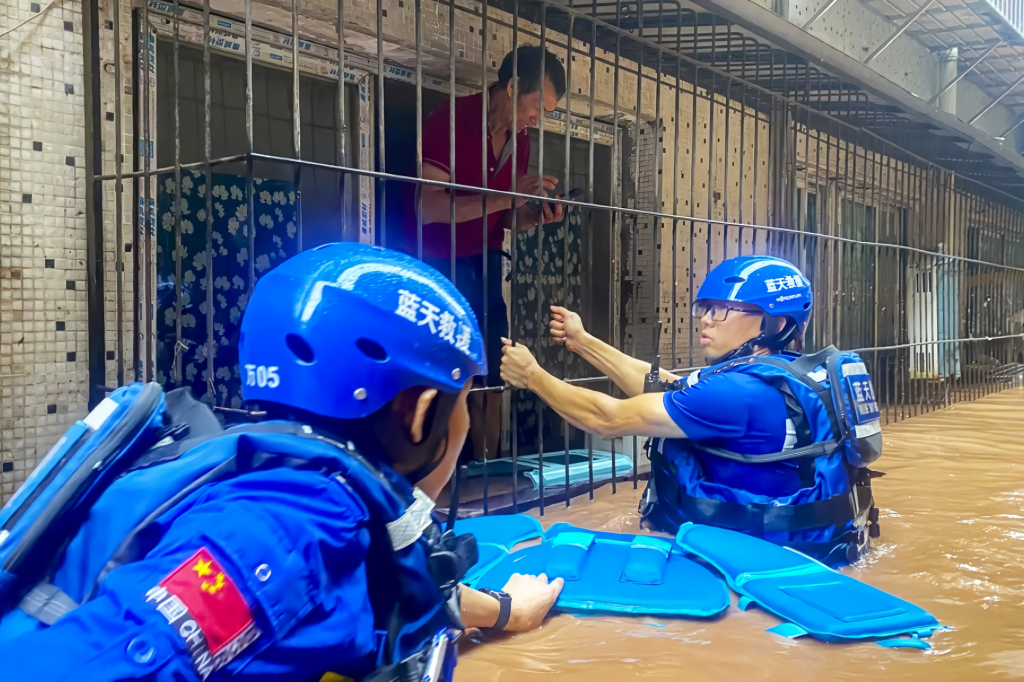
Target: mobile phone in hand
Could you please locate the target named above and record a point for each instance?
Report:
(534, 204)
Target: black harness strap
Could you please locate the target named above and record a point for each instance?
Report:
(760, 518)
(804, 437)
(799, 368)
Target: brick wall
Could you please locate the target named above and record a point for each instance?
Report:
(43, 316)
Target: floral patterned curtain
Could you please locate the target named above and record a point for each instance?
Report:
(275, 242)
(556, 282)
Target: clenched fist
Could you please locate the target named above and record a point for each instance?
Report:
(566, 328)
(517, 364)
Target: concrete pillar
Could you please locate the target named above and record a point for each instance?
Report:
(947, 61)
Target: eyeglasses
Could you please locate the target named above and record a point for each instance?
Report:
(719, 311)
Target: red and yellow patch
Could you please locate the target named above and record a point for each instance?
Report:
(206, 608)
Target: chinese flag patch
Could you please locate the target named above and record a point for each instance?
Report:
(206, 608)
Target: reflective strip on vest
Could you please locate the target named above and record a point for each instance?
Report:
(854, 368)
(869, 429)
(408, 528)
(790, 435)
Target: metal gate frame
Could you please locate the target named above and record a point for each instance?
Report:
(792, 100)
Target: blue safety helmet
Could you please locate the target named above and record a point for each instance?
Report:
(341, 329)
(774, 285)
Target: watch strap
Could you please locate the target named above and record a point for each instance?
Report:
(504, 611)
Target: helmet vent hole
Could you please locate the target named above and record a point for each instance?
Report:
(301, 349)
(372, 350)
(807, 305)
(735, 280)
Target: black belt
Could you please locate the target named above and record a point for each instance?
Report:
(763, 518)
(760, 518)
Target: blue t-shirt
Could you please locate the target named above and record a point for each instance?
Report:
(741, 413)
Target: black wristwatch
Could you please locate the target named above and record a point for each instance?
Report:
(504, 611)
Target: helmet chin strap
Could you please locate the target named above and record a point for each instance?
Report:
(779, 340)
(741, 352)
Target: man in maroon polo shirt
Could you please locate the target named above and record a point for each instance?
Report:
(471, 248)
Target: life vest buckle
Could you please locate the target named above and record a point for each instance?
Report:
(649, 500)
(450, 558)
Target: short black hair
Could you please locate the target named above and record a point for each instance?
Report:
(529, 59)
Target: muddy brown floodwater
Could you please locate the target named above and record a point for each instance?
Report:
(952, 521)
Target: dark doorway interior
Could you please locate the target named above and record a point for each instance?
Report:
(400, 156)
(321, 194)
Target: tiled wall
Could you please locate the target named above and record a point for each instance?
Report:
(43, 317)
(111, 247)
(720, 171)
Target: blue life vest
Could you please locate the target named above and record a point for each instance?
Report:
(833, 434)
(413, 567)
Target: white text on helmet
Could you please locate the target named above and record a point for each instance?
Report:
(410, 307)
(264, 377)
(783, 283)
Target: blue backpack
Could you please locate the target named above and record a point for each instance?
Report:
(42, 516)
(831, 397)
(138, 427)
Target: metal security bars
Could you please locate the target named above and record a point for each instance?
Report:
(258, 129)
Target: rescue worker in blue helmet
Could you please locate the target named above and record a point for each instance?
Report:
(153, 544)
(763, 441)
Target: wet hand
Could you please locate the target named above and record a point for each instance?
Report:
(566, 328)
(532, 598)
(517, 364)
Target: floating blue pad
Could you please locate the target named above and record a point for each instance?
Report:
(610, 572)
(506, 530)
(814, 599)
(904, 643)
(495, 537)
(488, 556)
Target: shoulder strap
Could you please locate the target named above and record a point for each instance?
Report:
(805, 364)
(244, 461)
(448, 558)
(815, 450)
(799, 368)
(47, 603)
